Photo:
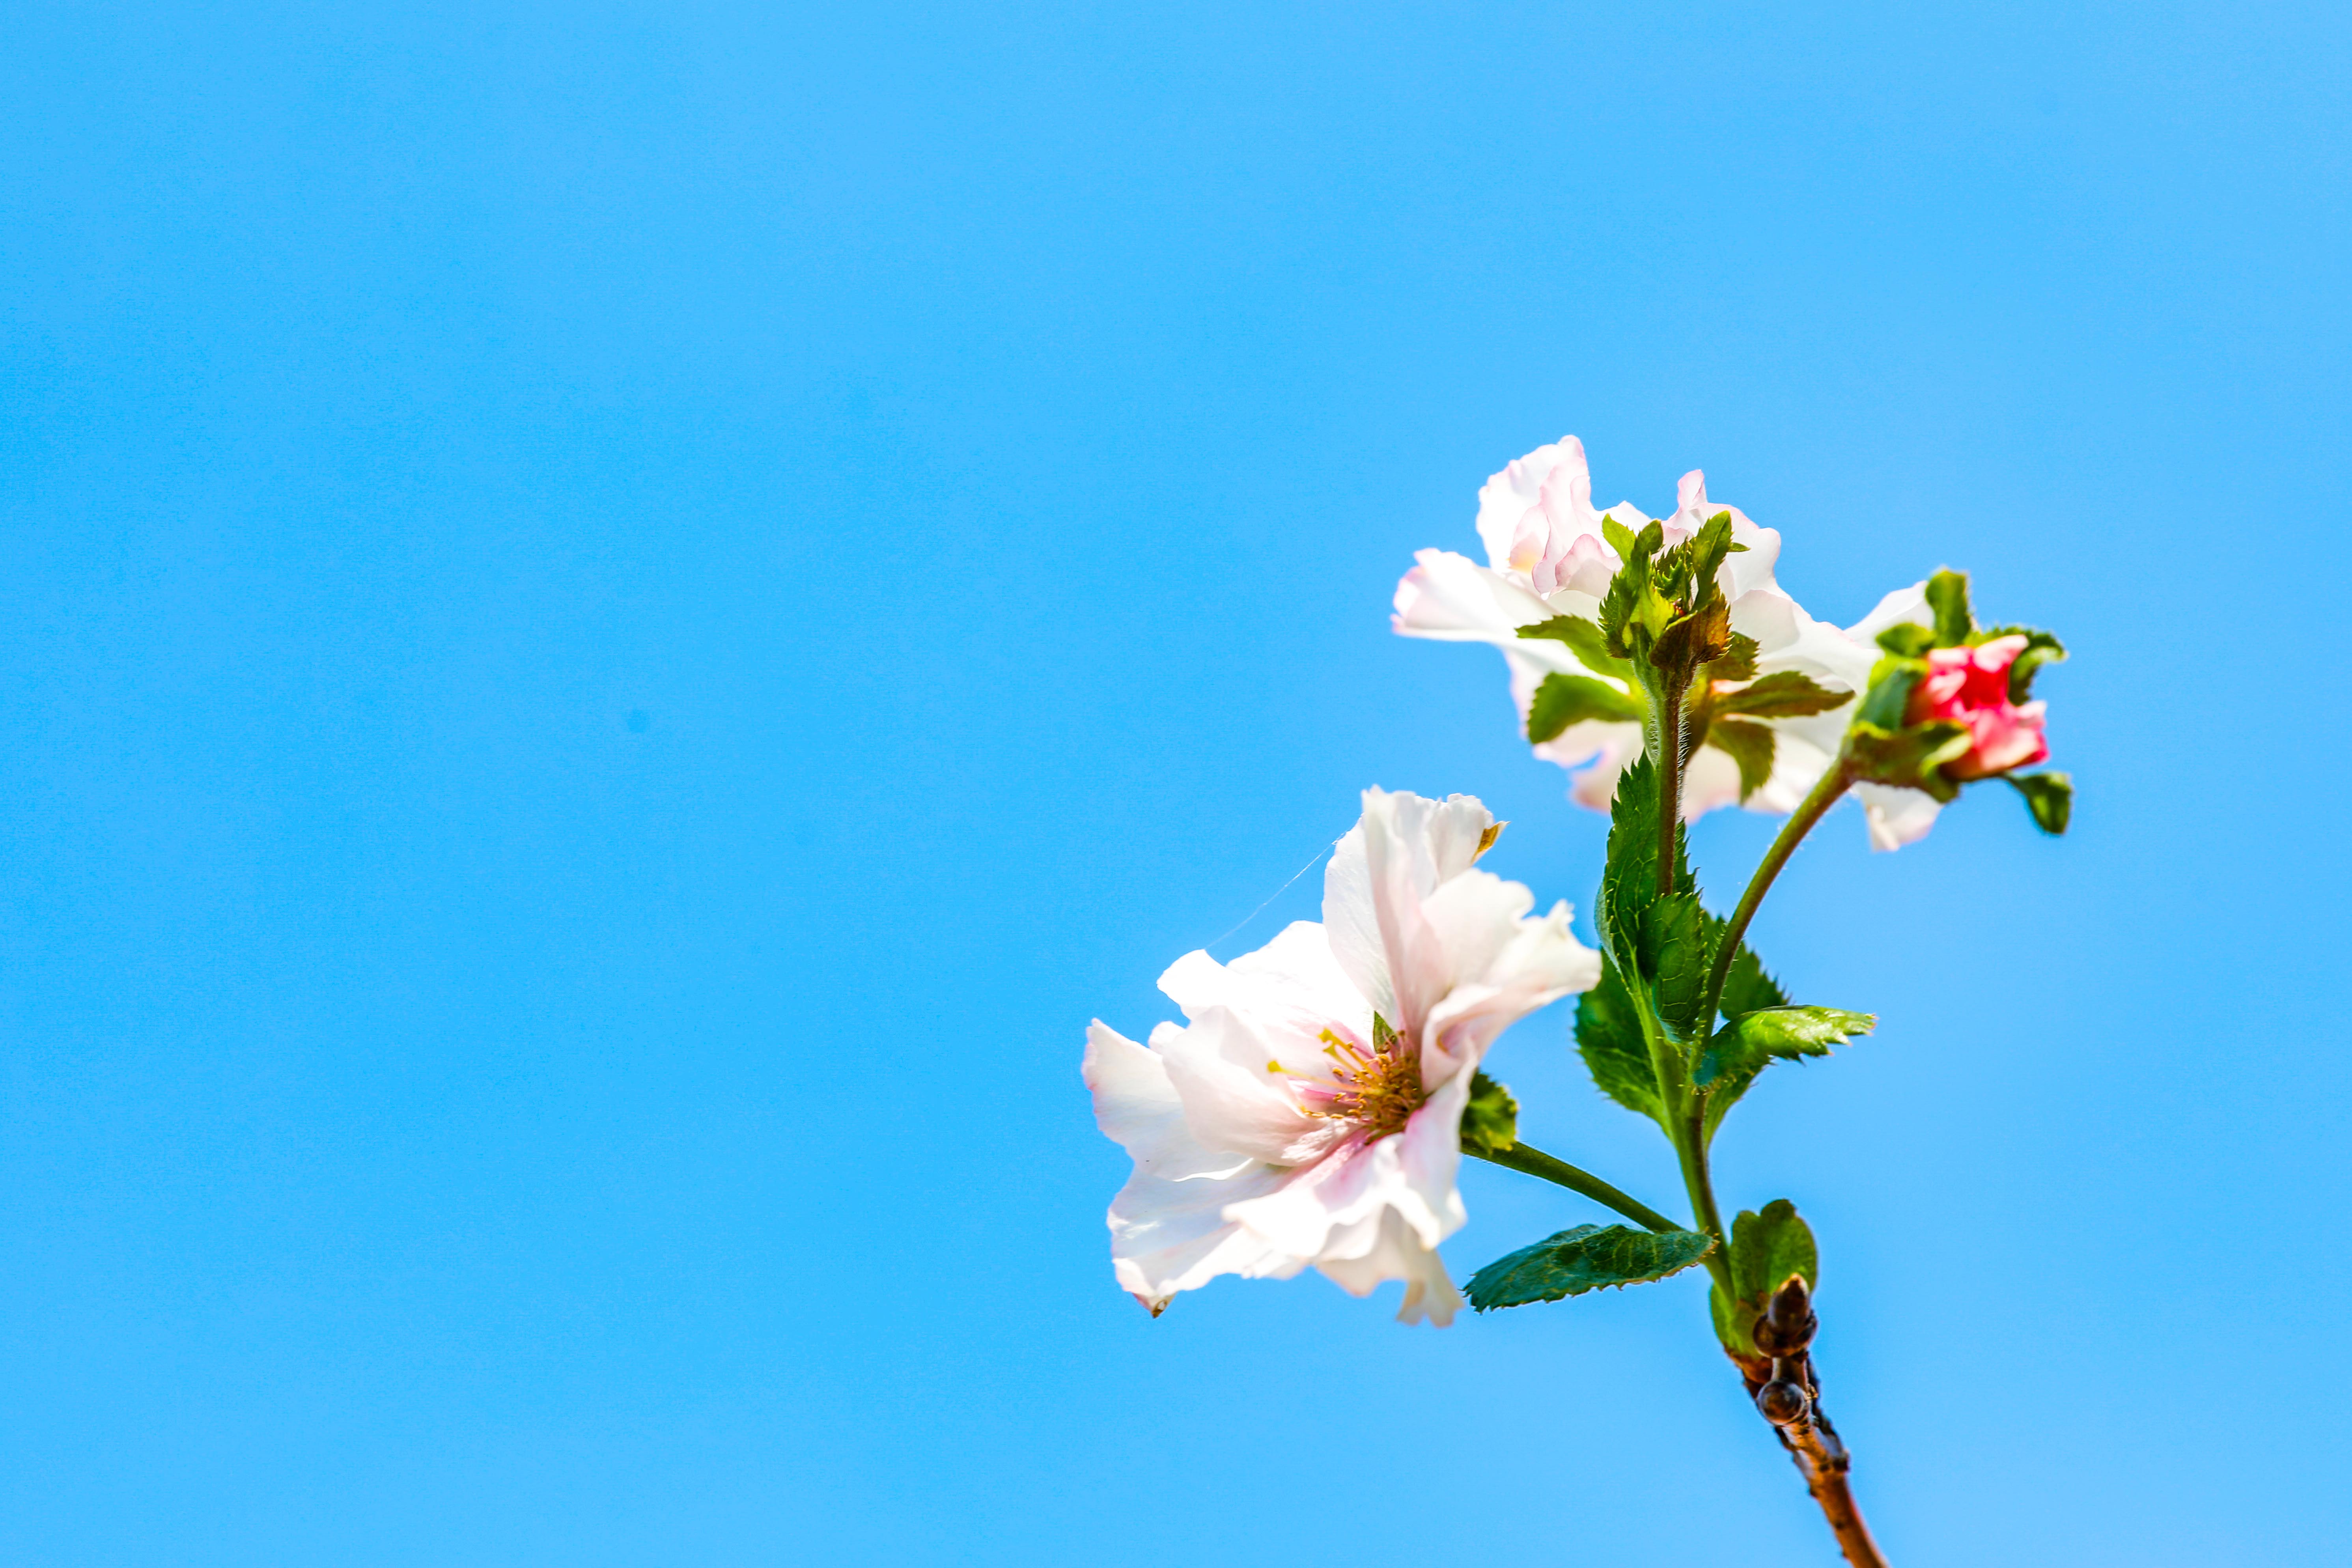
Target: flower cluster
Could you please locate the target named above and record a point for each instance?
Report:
(1313, 1107)
(1767, 723)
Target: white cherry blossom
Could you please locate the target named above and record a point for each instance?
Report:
(1308, 1111)
(1546, 556)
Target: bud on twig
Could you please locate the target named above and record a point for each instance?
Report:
(1782, 1403)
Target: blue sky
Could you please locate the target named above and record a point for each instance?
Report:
(621, 619)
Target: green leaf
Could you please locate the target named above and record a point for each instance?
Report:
(1708, 551)
(2041, 648)
(1908, 639)
(1911, 758)
(1490, 1121)
(1748, 744)
(1745, 989)
(1783, 694)
(1618, 538)
(1584, 640)
(1565, 700)
(1745, 986)
(2049, 796)
(1629, 884)
(1767, 1247)
(1744, 1047)
(1674, 948)
(1609, 1038)
(1947, 596)
(1738, 663)
(1589, 1257)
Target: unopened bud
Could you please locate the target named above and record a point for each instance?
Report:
(1792, 1313)
(1783, 1404)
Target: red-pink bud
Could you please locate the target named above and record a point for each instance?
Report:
(1970, 685)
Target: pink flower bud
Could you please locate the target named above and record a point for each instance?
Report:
(1970, 685)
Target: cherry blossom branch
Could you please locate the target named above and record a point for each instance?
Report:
(1535, 1163)
(1788, 1394)
(1825, 795)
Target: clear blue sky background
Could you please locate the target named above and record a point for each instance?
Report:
(618, 620)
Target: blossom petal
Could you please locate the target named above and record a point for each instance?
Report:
(1396, 855)
(1219, 1067)
(1901, 605)
(1292, 989)
(1452, 598)
(1168, 1230)
(1501, 967)
(1395, 1253)
(1896, 817)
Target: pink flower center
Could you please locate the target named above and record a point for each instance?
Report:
(1377, 1088)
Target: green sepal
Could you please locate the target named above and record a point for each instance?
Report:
(1783, 694)
(1631, 613)
(1588, 1257)
(2041, 647)
(1584, 640)
(1911, 758)
(1748, 743)
(1692, 640)
(1947, 597)
(1490, 1120)
(1609, 1038)
(1889, 697)
(1750, 1042)
(1908, 639)
(1564, 699)
(2049, 796)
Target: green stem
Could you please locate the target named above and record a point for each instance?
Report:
(1535, 1163)
(1670, 782)
(1825, 793)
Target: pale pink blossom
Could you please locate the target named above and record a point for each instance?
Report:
(1546, 555)
(1307, 1113)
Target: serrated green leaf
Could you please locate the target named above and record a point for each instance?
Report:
(1783, 694)
(1588, 1257)
(1629, 882)
(1748, 744)
(1746, 985)
(1911, 758)
(1947, 596)
(1585, 639)
(1738, 663)
(2049, 796)
(1769, 1246)
(1673, 949)
(1618, 537)
(1908, 639)
(1565, 700)
(1490, 1121)
(1708, 550)
(1609, 1038)
(1743, 1046)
